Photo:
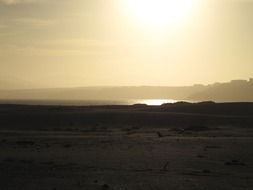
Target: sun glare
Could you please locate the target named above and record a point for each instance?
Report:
(161, 12)
(157, 102)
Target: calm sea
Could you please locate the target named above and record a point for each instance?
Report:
(90, 102)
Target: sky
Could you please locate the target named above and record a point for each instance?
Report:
(63, 43)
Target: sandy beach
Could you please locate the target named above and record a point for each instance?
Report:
(112, 150)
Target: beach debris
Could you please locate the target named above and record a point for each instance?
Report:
(211, 147)
(3, 141)
(165, 167)
(196, 128)
(234, 163)
(8, 160)
(25, 143)
(178, 130)
(67, 146)
(159, 134)
(206, 171)
(26, 161)
(200, 156)
(79, 184)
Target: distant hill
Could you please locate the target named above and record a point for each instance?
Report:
(102, 93)
(237, 90)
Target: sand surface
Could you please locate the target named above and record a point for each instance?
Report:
(127, 156)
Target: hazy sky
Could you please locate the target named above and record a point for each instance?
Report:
(49, 43)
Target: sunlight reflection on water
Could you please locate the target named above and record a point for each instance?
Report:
(151, 102)
(157, 102)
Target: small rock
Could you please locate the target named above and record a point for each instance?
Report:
(234, 163)
(67, 146)
(159, 134)
(200, 156)
(105, 186)
(206, 171)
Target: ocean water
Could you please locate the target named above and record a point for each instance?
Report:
(154, 102)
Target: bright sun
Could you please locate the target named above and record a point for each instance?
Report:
(161, 12)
